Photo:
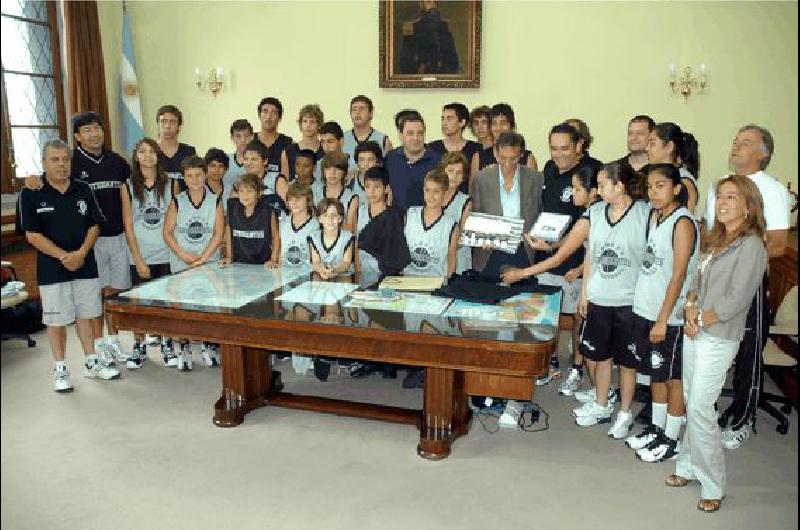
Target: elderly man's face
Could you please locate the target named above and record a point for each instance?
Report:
(57, 163)
(508, 159)
(747, 150)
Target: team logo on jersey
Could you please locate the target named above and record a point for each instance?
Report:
(196, 229)
(151, 217)
(82, 207)
(294, 255)
(43, 207)
(566, 194)
(651, 262)
(656, 359)
(423, 257)
(611, 262)
(84, 175)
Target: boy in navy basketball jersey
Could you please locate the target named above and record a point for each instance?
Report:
(252, 229)
(170, 121)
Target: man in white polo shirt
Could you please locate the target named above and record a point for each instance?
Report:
(750, 155)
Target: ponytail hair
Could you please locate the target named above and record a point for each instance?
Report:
(630, 179)
(690, 154)
(587, 176)
(670, 172)
(686, 149)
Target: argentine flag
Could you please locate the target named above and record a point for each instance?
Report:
(129, 107)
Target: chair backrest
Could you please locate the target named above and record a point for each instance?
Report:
(786, 317)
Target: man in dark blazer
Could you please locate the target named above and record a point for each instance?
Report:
(510, 190)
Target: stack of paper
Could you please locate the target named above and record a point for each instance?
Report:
(412, 283)
(550, 227)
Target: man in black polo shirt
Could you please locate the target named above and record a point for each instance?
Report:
(639, 129)
(61, 221)
(565, 159)
(105, 172)
(270, 112)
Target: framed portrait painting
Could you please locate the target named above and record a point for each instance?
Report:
(430, 44)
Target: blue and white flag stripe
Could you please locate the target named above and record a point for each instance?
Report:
(129, 106)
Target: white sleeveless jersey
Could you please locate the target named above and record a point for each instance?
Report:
(656, 269)
(359, 191)
(428, 246)
(318, 190)
(455, 209)
(333, 255)
(350, 143)
(194, 227)
(294, 241)
(616, 251)
(148, 223)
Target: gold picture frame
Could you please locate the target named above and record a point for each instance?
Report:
(430, 44)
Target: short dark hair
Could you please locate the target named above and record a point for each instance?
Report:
(307, 153)
(505, 110)
(251, 181)
(510, 139)
(565, 128)
(361, 98)
(85, 118)
(270, 100)
(401, 116)
(461, 110)
(369, 147)
(411, 118)
(241, 125)
(257, 147)
(193, 161)
(215, 154)
(645, 118)
(671, 172)
(331, 127)
(377, 173)
(170, 109)
(439, 177)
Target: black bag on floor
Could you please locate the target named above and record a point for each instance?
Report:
(25, 317)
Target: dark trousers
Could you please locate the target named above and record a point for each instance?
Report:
(748, 374)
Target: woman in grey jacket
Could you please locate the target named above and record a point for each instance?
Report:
(723, 286)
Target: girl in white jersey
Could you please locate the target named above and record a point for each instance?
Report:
(331, 247)
(145, 200)
(457, 204)
(668, 144)
(584, 195)
(193, 230)
(616, 246)
(332, 186)
(672, 248)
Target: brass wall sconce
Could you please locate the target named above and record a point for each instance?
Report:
(688, 82)
(212, 81)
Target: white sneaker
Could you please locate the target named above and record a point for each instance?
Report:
(168, 354)
(137, 357)
(97, 371)
(210, 355)
(590, 394)
(596, 414)
(734, 438)
(570, 385)
(104, 354)
(622, 425)
(644, 438)
(584, 409)
(185, 358)
(659, 450)
(61, 380)
(115, 350)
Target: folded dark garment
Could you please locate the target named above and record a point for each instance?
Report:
(474, 286)
(384, 239)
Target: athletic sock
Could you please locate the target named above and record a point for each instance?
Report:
(91, 360)
(673, 428)
(112, 338)
(99, 343)
(61, 365)
(578, 367)
(659, 418)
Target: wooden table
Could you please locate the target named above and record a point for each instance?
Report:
(458, 360)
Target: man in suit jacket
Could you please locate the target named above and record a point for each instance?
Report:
(511, 190)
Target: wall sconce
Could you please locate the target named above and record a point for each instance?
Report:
(212, 81)
(687, 82)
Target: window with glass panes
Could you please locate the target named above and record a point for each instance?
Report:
(33, 103)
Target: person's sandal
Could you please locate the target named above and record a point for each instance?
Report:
(676, 481)
(709, 505)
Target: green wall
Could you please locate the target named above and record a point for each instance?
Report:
(602, 62)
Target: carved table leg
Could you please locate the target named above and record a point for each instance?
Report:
(445, 414)
(246, 380)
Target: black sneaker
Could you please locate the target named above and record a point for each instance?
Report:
(361, 370)
(322, 369)
(415, 378)
(659, 450)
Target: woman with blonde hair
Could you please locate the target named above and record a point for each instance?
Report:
(729, 272)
